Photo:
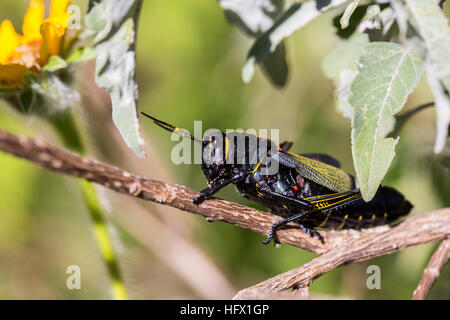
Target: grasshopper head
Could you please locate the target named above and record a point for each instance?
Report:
(214, 152)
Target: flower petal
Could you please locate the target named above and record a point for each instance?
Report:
(53, 28)
(58, 8)
(11, 75)
(33, 20)
(52, 33)
(9, 41)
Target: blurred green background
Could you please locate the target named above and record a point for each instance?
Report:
(189, 68)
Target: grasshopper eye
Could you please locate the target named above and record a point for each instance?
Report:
(209, 141)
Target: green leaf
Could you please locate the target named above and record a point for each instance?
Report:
(96, 19)
(340, 66)
(275, 66)
(387, 74)
(371, 19)
(115, 36)
(254, 18)
(297, 16)
(82, 54)
(442, 107)
(434, 28)
(356, 18)
(26, 99)
(348, 13)
(440, 171)
(55, 63)
(379, 27)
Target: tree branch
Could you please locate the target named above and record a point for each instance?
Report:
(416, 230)
(339, 247)
(432, 271)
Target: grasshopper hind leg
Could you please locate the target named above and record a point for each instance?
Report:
(274, 227)
(312, 232)
(337, 200)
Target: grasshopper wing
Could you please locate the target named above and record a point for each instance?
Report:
(324, 174)
(322, 158)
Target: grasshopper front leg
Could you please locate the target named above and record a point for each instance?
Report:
(210, 191)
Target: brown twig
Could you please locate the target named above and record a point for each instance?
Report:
(413, 231)
(432, 271)
(62, 161)
(339, 247)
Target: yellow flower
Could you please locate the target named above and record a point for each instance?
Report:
(41, 39)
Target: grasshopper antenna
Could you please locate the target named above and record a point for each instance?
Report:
(172, 128)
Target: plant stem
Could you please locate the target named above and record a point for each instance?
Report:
(65, 125)
(104, 240)
(402, 118)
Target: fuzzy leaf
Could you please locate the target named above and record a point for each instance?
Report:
(112, 23)
(252, 16)
(340, 66)
(255, 17)
(387, 74)
(434, 28)
(52, 95)
(55, 63)
(442, 107)
(348, 13)
(82, 54)
(297, 16)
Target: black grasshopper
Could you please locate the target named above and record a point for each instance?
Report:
(309, 189)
